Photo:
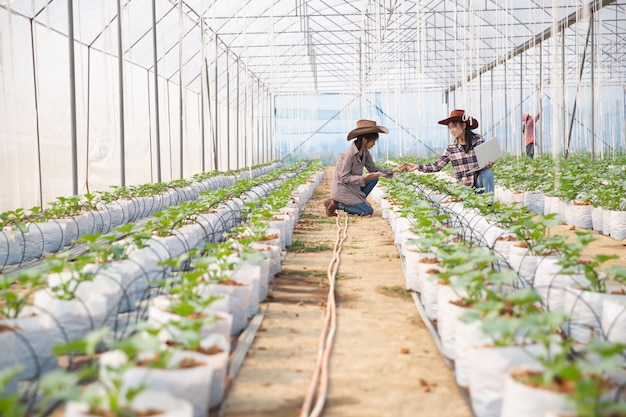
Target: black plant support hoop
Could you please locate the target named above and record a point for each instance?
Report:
(579, 303)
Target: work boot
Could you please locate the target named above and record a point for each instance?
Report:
(331, 207)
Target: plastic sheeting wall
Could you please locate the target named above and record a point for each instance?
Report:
(36, 125)
(318, 125)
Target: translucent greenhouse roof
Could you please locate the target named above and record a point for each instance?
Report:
(323, 46)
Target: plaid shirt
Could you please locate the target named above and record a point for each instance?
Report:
(461, 162)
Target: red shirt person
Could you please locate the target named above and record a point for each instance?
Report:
(529, 133)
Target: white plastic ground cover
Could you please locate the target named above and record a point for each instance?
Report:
(40, 358)
(606, 222)
(487, 368)
(520, 400)
(525, 265)
(430, 291)
(192, 235)
(614, 319)
(535, 201)
(77, 316)
(618, 224)
(28, 340)
(238, 304)
(165, 404)
(466, 335)
(250, 274)
(550, 283)
(17, 247)
(217, 322)
(447, 315)
(584, 309)
(219, 365)
(597, 315)
(192, 384)
(275, 250)
(264, 271)
(584, 216)
(413, 267)
(596, 219)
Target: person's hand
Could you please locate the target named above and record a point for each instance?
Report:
(371, 176)
(398, 169)
(410, 167)
(489, 164)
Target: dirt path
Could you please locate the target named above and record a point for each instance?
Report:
(384, 362)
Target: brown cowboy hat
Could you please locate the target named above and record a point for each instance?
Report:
(363, 127)
(460, 116)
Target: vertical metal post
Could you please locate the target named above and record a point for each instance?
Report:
(216, 149)
(480, 98)
(120, 66)
(74, 135)
(540, 138)
(203, 87)
(593, 90)
(252, 107)
(506, 111)
(180, 87)
(36, 102)
(272, 137)
(493, 120)
(521, 98)
(245, 125)
(157, 121)
(258, 132)
(227, 112)
(262, 136)
(266, 125)
(265, 114)
(563, 114)
(237, 118)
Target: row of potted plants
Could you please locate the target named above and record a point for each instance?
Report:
(581, 191)
(63, 298)
(27, 234)
(586, 193)
(491, 310)
(199, 298)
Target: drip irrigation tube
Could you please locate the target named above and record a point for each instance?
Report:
(318, 388)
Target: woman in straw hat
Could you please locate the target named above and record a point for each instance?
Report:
(350, 187)
(461, 153)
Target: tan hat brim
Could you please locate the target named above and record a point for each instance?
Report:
(365, 130)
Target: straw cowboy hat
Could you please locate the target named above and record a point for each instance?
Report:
(363, 127)
(460, 116)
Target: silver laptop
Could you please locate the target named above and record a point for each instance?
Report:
(488, 151)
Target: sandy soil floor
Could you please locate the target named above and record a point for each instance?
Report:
(384, 362)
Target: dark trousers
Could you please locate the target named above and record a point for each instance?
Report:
(530, 150)
(363, 208)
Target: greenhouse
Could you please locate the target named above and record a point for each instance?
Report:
(185, 230)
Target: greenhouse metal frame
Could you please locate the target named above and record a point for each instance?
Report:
(200, 83)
